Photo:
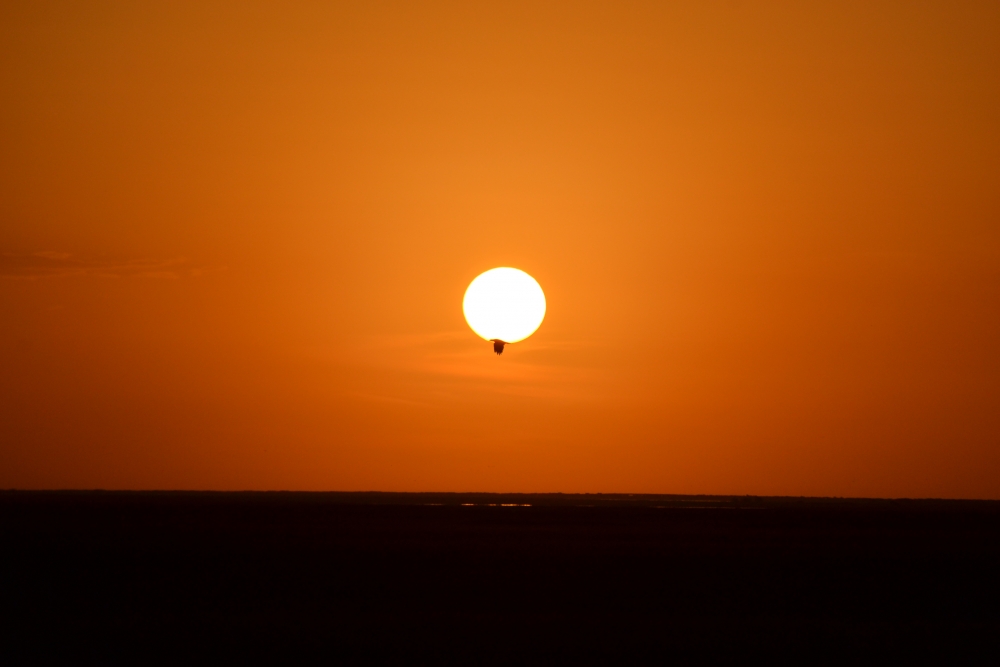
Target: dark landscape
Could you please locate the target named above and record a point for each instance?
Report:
(486, 578)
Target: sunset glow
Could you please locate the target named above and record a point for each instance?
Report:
(237, 241)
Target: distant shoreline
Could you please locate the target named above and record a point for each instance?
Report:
(484, 499)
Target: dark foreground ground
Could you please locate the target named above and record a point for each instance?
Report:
(434, 578)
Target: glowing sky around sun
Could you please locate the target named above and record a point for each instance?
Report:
(235, 241)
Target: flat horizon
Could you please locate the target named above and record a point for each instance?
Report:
(636, 499)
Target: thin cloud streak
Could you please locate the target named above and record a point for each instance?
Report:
(453, 365)
(54, 264)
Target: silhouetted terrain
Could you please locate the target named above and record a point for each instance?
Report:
(422, 578)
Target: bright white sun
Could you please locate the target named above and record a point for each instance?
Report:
(504, 304)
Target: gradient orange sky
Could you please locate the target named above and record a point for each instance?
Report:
(235, 236)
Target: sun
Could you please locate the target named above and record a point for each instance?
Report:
(504, 305)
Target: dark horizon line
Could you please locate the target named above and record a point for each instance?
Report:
(553, 497)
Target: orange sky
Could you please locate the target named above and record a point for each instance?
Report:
(234, 239)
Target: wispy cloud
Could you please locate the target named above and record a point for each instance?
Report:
(54, 264)
(452, 365)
